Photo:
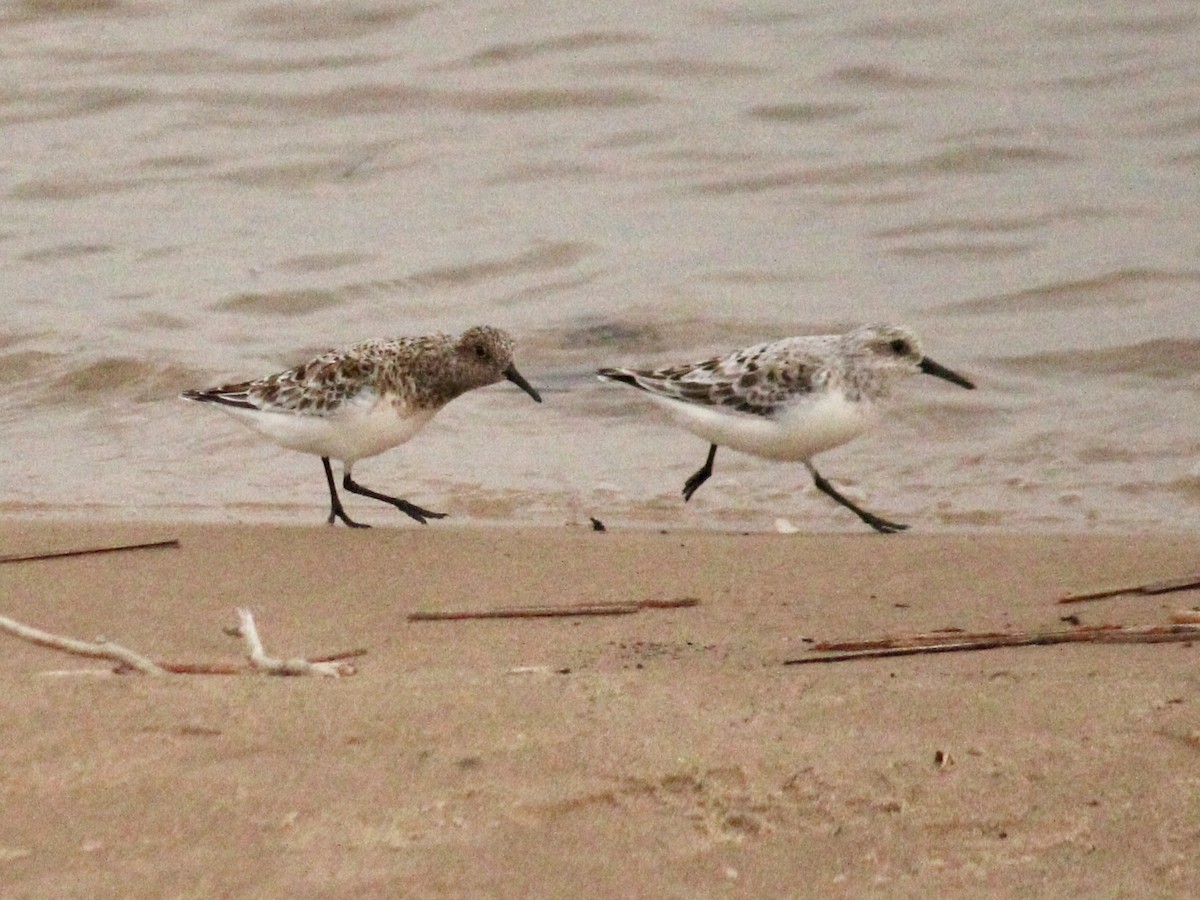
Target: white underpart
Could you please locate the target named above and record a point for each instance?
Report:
(811, 424)
(365, 426)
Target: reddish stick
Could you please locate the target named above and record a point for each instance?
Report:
(1185, 583)
(956, 643)
(533, 612)
(87, 551)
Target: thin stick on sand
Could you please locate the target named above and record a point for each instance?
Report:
(1185, 583)
(239, 668)
(98, 649)
(958, 641)
(87, 551)
(273, 665)
(127, 660)
(546, 611)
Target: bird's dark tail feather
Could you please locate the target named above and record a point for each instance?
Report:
(216, 397)
(621, 376)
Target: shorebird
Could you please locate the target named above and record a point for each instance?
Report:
(790, 399)
(358, 402)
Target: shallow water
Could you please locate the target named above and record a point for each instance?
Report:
(197, 192)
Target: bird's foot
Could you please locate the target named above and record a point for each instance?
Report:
(416, 512)
(883, 526)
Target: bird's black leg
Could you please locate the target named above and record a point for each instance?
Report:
(882, 525)
(700, 475)
(336, 511)
(409, 509)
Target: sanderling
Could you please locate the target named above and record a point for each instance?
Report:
(355, 403)
(790, 399)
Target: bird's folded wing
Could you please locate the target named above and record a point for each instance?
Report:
(758, 384)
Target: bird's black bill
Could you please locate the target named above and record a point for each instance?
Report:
(929, 367)
(514, 376)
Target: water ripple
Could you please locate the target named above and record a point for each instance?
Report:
(328, 21)
(1114, 289)
(24, 106)
(519, 51)
(803, 113)
(887, 78)
(973, 159)
(1162, 358)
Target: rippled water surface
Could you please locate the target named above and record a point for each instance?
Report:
(191, 193)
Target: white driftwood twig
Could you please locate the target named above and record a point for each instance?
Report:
(99, 649)
(127, 660)
(273, 665)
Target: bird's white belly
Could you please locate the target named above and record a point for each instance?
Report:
(355, 431)
(811, 426)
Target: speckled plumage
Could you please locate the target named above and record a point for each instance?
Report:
(413, 373)
(354, 403)
(789, 399)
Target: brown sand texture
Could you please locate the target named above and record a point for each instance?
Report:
(665, 754)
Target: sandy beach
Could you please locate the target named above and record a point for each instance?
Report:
(667, 753)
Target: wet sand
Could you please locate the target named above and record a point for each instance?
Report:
(667, 753)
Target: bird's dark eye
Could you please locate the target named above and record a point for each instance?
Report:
(481, 351)
(900, 347)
